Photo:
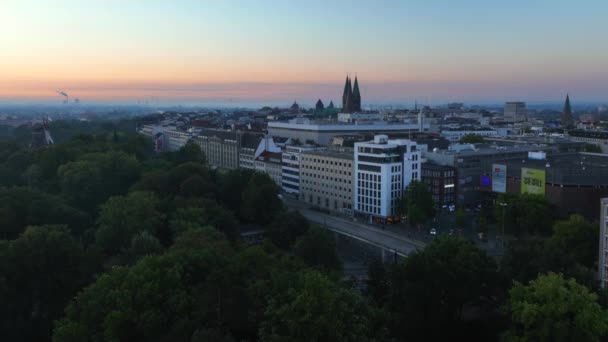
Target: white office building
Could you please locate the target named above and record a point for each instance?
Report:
(383, 170)
(603, 257)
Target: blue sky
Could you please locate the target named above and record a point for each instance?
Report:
(473, 51)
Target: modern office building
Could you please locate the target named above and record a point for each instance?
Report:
(515, 112)
(603, 257)
(326, 179)
(383, 170)
(441, 181)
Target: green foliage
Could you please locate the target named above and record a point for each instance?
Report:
(122, 217)
(377, 284)
(552, 308)
(21, 207)
(459, 218)
(166, 298)
(578, 238)
(318, 248)
(286, 228)
(260, 201)
(524, 214)
(432, 287)
(592, 148)
(316, 309)
(471, 138)
(418, 203)
(39, 273)
(571, 250)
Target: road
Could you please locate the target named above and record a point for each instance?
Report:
(389, 240)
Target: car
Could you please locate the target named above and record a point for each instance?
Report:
(433, 231)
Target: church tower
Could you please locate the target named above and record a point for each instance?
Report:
(347, 96)
(356, 103)
(567, 120)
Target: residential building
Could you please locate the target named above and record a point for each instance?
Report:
(383, 170)
(247, 152)
(326, 179)
(603, 257)
(441, 182)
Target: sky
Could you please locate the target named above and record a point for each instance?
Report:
(402, 51)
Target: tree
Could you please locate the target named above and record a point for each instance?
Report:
(260, 201)
(578, 238)
(39, 273)
(551, 308)
(524, 214)
(459, 218)
(122, 217)
(377, 283)
(419, 203)
(168, 297)
(318, 248)
(143, 244)
(286, 227)
(316, 309)
(434, 286)
(592, 148)
(471, 138)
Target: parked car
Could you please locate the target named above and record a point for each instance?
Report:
(433, 231)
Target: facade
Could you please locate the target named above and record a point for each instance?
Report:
(305, 130)
(574, 182)
(603, 257)
(515, 111)
(598, 138)
(270, 163)
(221, 148)
(441, 181)
(291, 167)
(247, 152)
(472, 164)
(326, 179)
(455, 135)
(383, 170)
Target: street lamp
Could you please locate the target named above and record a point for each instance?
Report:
(502, 238)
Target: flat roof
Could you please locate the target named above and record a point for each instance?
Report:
(347, 154)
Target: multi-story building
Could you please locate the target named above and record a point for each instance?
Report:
(270, 163)
(441, 181)
(515, 111)
(603, 257)
(321, 132)
(383, 170)
(221, 148)
(291, 167)
(247, 152)
(326, 179)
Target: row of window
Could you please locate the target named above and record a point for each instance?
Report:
(324, 161)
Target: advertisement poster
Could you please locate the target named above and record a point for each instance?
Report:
(532, 181)
(499, 178)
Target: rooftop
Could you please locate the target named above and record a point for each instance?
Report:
(342, 153)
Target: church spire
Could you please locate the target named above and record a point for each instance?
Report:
(347, 96)
(356, 102)
(567, 113)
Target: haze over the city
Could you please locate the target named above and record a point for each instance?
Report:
(281, 51)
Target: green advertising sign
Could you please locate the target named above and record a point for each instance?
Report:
(532, 181)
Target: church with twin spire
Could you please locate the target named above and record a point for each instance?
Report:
(351, 98)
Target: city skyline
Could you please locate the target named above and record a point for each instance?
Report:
(433, 52)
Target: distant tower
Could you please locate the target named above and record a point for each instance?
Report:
(319, 106)
(347, 96)
(331, 105)
(356, 102)
(567, 120)
(295, 108)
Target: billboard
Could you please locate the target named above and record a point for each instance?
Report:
(532, 181)
(499, 178)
